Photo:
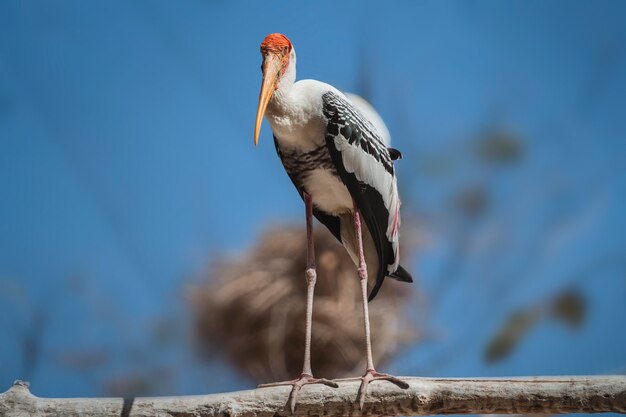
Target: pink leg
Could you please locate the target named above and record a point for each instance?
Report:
(311, 277)
(306, 377)
(370, 372)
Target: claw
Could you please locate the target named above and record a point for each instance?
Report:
(372, 375)
(297, 385)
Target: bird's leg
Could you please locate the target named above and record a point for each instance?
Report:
(370, 372)
(306, 377)
(311, 277)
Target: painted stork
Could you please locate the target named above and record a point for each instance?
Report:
(344, 172)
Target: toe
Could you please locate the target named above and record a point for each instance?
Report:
(362, 392)
(293, 396)
(328, 383)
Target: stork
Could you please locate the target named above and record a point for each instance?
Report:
(344, 172)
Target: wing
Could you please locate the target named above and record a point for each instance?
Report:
(332, 223)
(370, 113)
(365, 167)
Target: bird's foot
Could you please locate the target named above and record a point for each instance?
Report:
(372, 375)
(297, 384)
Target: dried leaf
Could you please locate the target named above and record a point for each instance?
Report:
(500, 147)
(511, 334)
(82, 360)
(569, 307)
(472, 201)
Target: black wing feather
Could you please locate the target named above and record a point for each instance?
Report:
(344, 120)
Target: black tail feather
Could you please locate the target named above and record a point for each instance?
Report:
(401, 274)
(394, 154)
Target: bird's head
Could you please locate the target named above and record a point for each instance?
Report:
(277, 53)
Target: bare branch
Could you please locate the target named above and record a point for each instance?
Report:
(531, 395)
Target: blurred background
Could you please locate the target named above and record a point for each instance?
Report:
(148, 248)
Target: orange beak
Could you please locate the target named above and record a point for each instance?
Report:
(271, 68)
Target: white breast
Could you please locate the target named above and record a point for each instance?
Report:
(328, 192)
(299, 125)
(296, 117)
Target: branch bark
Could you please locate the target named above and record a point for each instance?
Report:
(529, 395)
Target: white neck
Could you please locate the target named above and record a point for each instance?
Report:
(295, 110)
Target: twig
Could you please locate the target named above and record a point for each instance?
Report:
(528, 395)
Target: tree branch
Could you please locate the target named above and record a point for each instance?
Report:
(536, 395)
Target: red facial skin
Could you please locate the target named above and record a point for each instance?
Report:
(279, 45)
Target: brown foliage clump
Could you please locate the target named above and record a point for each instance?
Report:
(253, 310)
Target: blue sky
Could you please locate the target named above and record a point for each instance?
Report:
(126, 159)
